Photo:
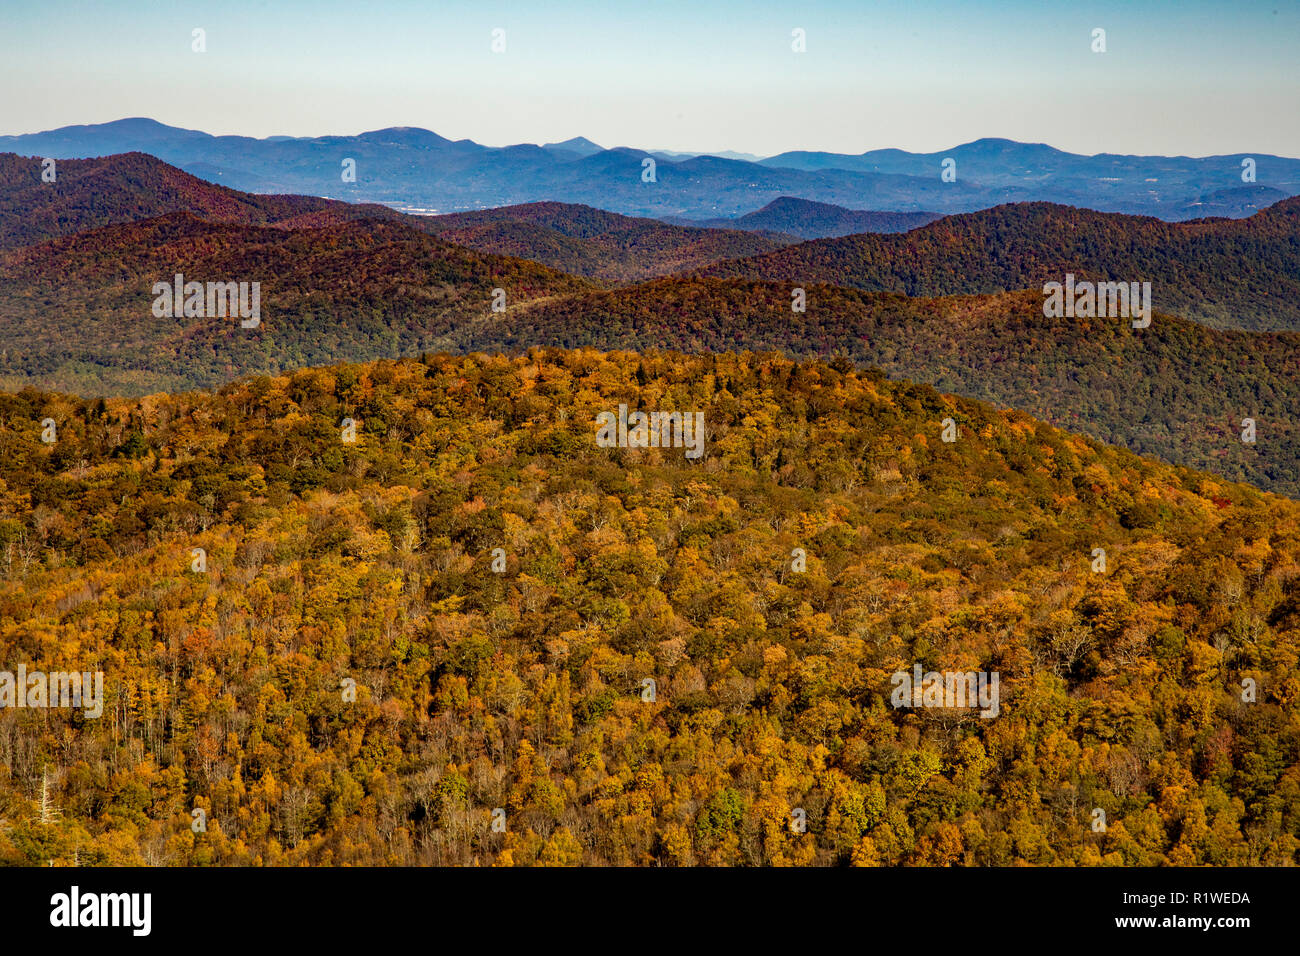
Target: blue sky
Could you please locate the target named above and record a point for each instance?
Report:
(1191, 77)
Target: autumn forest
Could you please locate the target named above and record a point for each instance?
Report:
(461, 632)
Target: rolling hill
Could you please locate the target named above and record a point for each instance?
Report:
(340, 284)
(600, 245)
(597, 244)
(89, 193)
(1177, 390)
(78, 310)
(75, 314)
(1226, 273)
(817, 220)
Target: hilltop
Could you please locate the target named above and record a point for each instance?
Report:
(805, 219)
(600, 245)
(91, 193)
(1177, 390)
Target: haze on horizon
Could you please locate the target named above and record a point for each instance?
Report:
(1196, 78)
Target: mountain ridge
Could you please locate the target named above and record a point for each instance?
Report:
(1024, 245)
(413, 167)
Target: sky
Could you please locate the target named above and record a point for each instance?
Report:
(1187, 77)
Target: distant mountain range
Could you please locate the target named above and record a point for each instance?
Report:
(581, 146)
(420, 170)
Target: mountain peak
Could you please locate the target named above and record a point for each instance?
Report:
(405, 136)
(809, 219)
(578, 144)
(996, 145)
(133, 122)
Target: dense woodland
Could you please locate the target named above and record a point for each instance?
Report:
(522, 690)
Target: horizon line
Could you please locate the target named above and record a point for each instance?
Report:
(648, 150)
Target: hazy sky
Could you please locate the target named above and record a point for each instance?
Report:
(1181, 77)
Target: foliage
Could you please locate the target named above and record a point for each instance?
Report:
(521, 690)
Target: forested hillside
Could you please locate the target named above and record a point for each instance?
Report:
(76, 313)
(1176, 390)
(827, 538)
(1227, 273)
(597, 244)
